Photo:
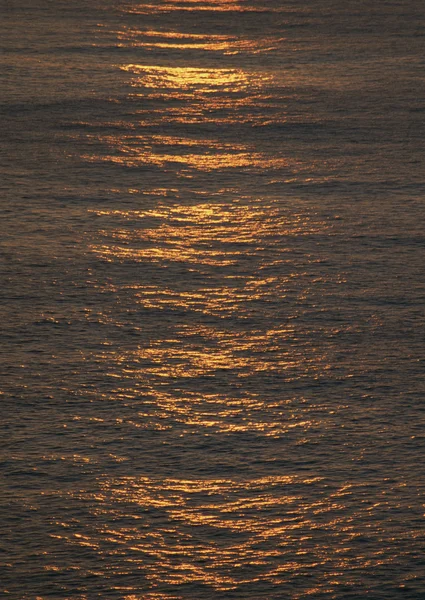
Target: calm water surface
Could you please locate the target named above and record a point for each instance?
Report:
(212, 299)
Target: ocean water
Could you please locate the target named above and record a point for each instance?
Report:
(212, 299)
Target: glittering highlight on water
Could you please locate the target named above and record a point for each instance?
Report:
(212, 300)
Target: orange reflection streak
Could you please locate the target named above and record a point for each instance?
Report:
(187, 78)
(173, 360)
(213, 413)
(209, 108)
(209, 234)
(197, 5)
(211, 94)
(223, 533)
(202, 154)
(134, 155)
(227, 44)
(213, 235)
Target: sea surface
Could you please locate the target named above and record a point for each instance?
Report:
(212, 299)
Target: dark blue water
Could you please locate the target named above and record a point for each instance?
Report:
(212, 300)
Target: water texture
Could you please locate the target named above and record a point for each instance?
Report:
(212, 300)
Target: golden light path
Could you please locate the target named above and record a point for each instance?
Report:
(232, 278)
(213, 280)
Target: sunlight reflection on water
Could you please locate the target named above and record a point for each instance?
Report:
(214, 282)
